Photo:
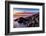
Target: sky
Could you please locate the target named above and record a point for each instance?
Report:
(24, 12)
(33, 10)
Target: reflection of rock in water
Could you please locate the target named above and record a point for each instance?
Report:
(32, 21)
(16, 24)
